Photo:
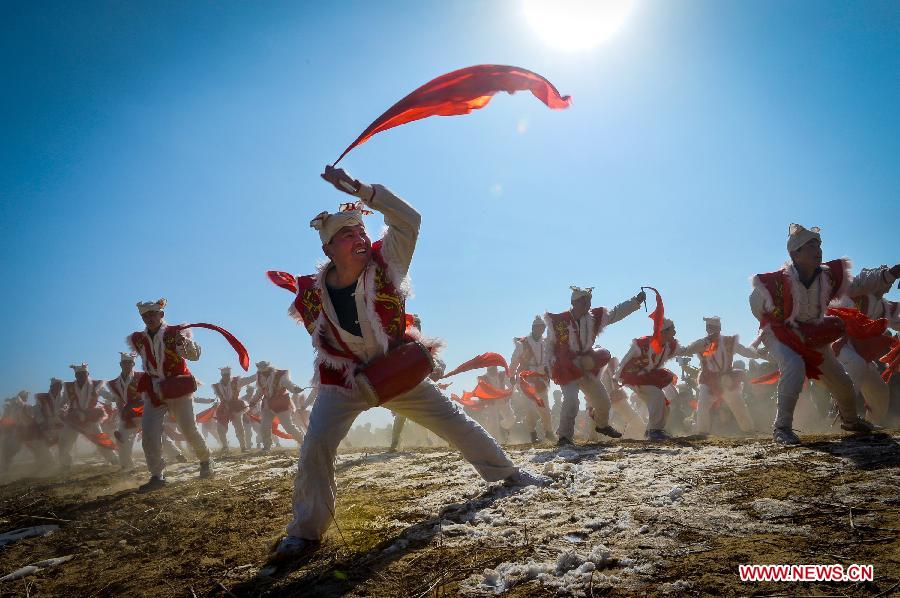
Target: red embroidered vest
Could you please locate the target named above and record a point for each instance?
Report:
(132, 393)
(173, 363)
(728, 345)
(72, 395)
(389, 302)
(779, 286)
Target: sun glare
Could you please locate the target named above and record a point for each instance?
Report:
(576, 24)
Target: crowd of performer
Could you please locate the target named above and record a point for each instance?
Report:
(824, 356)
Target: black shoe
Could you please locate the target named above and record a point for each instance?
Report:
(609, 431)
(859, 426)
(206, 471)
(290, 548)
(656, 435)
(154, 483)
(785, 436)
(563, 441)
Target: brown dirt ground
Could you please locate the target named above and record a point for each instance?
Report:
(210, 537)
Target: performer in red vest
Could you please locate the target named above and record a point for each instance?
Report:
(82, 416)
(125, 393)
(19, 428)
(354, 308)
(48, 412)
(531, 354)
(642, 370)
(164, 350)
(574, 362)
(633, 426)
(720, 383)
(790, 305)
(231, 408)
(859, 356)
(273, 393)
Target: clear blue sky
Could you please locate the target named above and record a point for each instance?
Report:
(173, 149)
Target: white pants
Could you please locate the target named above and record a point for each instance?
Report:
(531, 413)
(867, 380)
(284, 418)
(633, 425)
(332, 416)
(655, 400)
(152, 421)
(732, 399)
(596, 396)
(498, 418)
(10, 445)
(236, 420)
(251, 430)
(69, 434)
(793, 373)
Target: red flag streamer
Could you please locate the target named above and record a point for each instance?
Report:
(658, 317)
(207, 415)
(277, 432)
(481, 361)
(892, 360)
(243, 356)
(529, 389)
(461, 92)
(858, 324)
(284, 280)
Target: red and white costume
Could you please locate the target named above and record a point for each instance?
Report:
(859, 356)
(231, 407)
(82, 415)
(720, 383)
(532, 354)
(642, 370)
(783, 304)
(19, 428)
(163, 358)
(125, 393)
(273, 392)
(571, 340)
(379, 296)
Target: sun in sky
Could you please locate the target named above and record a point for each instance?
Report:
(576, 24)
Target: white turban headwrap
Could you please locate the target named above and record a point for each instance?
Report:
(263, 366)
(714, 320)
(667, 323)
(147, 306)
(329, 224)
(798, 236)
(83, 367)
(578, 292)
(126, 357)
(538, 320)
(225, 370)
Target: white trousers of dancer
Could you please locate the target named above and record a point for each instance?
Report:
(498, 418)
(236, 420)
(655, 400)
(284, 418)
(152, 421)
(332, 416)
(596, 396)
(10, 445)
(633, 425)
(69, 434)
(867, 380)
(793, 373)
(251, 431)
(126, 446)
(531, 413)
(732, 399)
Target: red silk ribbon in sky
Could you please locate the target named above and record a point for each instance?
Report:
(243, 356)
(480, 361)
(461, 92)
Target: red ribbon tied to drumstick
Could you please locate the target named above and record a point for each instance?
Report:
(461, 92)
(658, 316)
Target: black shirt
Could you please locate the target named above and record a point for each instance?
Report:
(345, 307)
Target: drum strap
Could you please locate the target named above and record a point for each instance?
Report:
(346, 352)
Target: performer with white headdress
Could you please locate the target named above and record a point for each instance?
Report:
(48, 412)
(859, 356)
(354, 308)
(125, 393)
(574, 362)
(21, 429)
(273, 393)
(791, 305)
(82, 415)
(165, 350)
(231, 409)
(719, 382)
(530, 370)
